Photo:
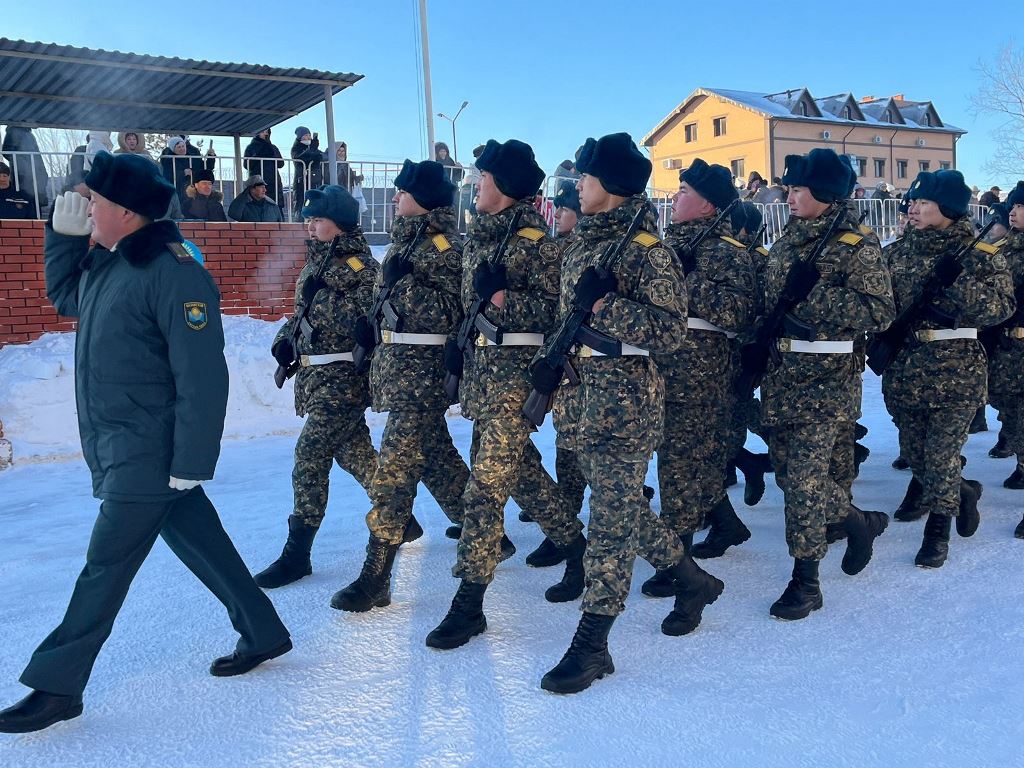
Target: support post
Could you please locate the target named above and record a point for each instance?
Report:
(238, 164)
(427, 96)
(332, 142)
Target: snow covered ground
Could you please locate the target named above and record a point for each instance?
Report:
(903, 667)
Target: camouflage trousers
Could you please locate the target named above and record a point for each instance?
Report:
(497, 460)
(931, 440)
(1011, 416)
(416, 446)
(571, 483)
(622, 525)
(330, 435)
(841, 465)
(691, 464)
(802, 454)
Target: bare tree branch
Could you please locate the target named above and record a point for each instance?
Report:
(1001, 92)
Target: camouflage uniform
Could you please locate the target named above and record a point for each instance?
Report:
(406, 379)
(620, 401)
(1006, 361)
(332, 397)
(698, 377)
(807, 398)
(933, 389)
(495, 386)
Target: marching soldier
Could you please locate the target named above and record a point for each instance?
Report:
(835, 278)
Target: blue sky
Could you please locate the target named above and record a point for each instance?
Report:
(552, 73)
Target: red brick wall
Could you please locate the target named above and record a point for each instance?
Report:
(254, 265)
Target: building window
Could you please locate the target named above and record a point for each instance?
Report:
(901, 169)
(879, 168)
(888, 115)
(690, 131)
(927, 119)
(719, 123)
(924, 165)
(802, 109)
(847, 112)
(943, 166)
(862, 166)
(737, 168)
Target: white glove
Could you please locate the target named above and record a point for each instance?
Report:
(71, 215)
(182, 485)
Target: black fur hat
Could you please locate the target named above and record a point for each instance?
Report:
(203, 175)
(1016, 196)
(746, 216)
(822, 171)
(712, 182)
(616, 162)
(132, 181)
(427, 183)
(334, 203)
(947, 189)
(568, 197)
(513, 167)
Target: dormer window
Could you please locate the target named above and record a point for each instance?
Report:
(802, 108)
(847, 112)
(888, 115)
(927, 119)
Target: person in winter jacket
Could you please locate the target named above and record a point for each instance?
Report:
(180, 167)
(252, 203)
(309, 166)
(29, 171)
(97, 141)
(263, 159)
(132, 142)
(203, 201)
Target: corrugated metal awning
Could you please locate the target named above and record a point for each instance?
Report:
(47, 85)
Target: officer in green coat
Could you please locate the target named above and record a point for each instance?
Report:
(151, 385)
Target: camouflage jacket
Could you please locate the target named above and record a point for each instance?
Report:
(621, 399)
(566, 411)
(952, 372)
(720, 291)
(333, 314)
(854, 295)
(1006, 363)
(495, 379)
(410, 376)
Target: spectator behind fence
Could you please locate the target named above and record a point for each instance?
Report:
(132, 143)
(881, 191)
(566, 170)
(96, 142)
(76, 170)
(13, 204)
(179, 167)
(347, 176)
(309, 166)
(29, 171)
(253, 205)
(990, 198)
(202, 200)
(263, 160)
(452, 169)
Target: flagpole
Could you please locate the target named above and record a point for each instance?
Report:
(427, 97)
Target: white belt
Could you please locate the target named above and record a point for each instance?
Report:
(392, 337)
(627, 349)
(816, 347)
(337, 357)
(944, 334)
(704, 325)
(513, 340)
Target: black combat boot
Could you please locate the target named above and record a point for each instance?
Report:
(1019, 530)
(935, 545)
(546, 555)
(802, 595)
(464, 620)
(695, 589)
(900, 463)
(294, 563)
(860, 455)
(372, 589)
(39, 710)
(862, 528)
(663, 582)
(730, 475)
(586, 660)
(910, 508)
(978, 423)
(571, 585)
(413, 530)
(453, 532)
(753, 466)
(1000, 450)
(525, 517)
(727, 530)
(1016, 480)
(835, 532)
(968, 518)
(507, 548)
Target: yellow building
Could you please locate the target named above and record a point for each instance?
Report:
(888, 139)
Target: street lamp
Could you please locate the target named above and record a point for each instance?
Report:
(455, 145)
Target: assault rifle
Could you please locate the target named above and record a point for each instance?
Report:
(692, 246)
(754, 355)
(758, 237)
(468, 329)
(383, 308)
(573, 330)
(885, 345)
(302, 326)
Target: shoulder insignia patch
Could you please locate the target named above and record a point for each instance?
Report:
(661, 293)
(660, 258)
(195, 314)
(355, 263)
(1000, 242)
(998, 262)
(865, 230)
(850, 238)
(549, 252)
(181, 252)
(531, 233)
(762, 250)
(732, 241)
(441, 243)
(868, 256)
(876, 284)
(987, 248)
(646, 239)
(453, 260)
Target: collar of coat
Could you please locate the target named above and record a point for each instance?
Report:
(144, 245)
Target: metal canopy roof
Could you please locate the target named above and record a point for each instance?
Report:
(47, 85)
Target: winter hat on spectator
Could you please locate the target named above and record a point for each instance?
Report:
(301, 131)
(132, 182)
(1016, 196)
(255, 181)
(946, 189)
(203, 175)
(823, 172)
(616, 162)
(174, 141)
(427, 183)
(513, 167)
(5, 168)
(746, 216)
(712, 182)
(568, 197)
(334, 203)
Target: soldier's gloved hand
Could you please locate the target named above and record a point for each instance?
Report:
(489, 279)
(453, 361)
(545, 377)
(594, 284)
(947, 270)
(394, 269)
(363, 333)
(310, 289)
(802, 279)
(71, 215)
(283, 352)
(943, 319)
(182, 485)
(688, 259)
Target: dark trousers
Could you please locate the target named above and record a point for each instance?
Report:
(121, 539)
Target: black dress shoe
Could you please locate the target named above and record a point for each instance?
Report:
(39, 710)
(240, 663)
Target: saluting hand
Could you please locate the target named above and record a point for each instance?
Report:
(71, 215)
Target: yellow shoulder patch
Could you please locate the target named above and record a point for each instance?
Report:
(732, 241)
(646, 239)
(762, 250)
(987, 248)
(1000, 242)
(441, 243)
(865, 230)
(531, 233)
(850, 238)
(355, 263)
